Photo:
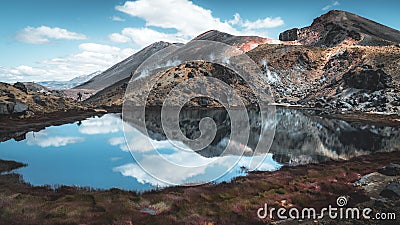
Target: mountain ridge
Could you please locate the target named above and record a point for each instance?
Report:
(337, 27)
(123, 69)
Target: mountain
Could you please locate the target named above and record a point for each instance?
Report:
(245, 43)
(337, 27)
(325, 66)
(123, 69)
(59, 85)
(119, 75)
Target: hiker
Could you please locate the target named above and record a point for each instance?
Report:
(79, 96)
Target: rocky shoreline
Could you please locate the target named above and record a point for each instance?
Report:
(15, 127)
(236, 202)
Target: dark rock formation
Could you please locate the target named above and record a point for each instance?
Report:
(7, 108)
(38, 100)
(335, 27)
(392, 191)
(21, 86)
(390, 170)
(289, 35)
(367, 79)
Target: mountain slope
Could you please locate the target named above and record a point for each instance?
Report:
(337, 27)
(338, 66)
(245, 43)
(123, 69)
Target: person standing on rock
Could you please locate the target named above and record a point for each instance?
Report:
(79, 96)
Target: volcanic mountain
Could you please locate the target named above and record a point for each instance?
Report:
(337, 63)
(337, 27)
(127, 67)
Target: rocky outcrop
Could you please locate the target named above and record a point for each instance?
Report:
(347, 78)
(392, 191)
(337, 27)
(289, 35)
(21, 86)
(390, 170)
(19, 100)
(368, 79)
(7, 108)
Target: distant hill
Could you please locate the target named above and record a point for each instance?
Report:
(62, 85)
(337, 27)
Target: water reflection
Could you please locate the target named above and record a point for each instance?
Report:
(46, 139)
(96, 154)
(300, 136)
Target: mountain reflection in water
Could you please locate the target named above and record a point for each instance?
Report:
(300, 136)
(94, 153)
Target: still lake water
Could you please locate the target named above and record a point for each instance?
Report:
(93, 152)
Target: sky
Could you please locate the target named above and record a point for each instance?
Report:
(46, 40)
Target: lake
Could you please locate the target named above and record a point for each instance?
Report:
(94, 153)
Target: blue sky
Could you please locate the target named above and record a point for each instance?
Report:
(59, 40)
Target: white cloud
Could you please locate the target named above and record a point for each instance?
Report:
(183, 15)
(98, 48)
(175, 168)
(43, 34)
(334, 3)
(117, 18)
(116, 141)
(188, 19)
(145, 36)
(326, 7)
(108, 124)
(184, 18)
(267, 22)
(43, 139)
(92, 57)
(119, 38)
(120, 142)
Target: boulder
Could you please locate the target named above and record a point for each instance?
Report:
(21, 87)
(367, 79)
(391, 191)
(20, 107)
(7, 108)
(4, 108)
(38, 100)
(390, 170)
